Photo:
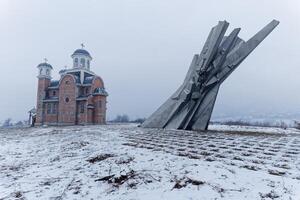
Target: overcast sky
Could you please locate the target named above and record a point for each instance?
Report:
(142, 50)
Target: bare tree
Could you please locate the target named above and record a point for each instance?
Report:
(7, 123)
(139, 120)
(121, 118)
(19, 123)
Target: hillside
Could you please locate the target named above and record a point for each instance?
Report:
(126, 162)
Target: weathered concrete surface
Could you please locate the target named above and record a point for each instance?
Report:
(191, 106)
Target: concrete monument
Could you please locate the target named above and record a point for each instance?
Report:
(191, 106)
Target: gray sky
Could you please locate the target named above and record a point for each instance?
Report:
(142, 50)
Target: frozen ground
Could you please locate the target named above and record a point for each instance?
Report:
(126, 162)
(253, 129)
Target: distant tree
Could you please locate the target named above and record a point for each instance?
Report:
(283, 125)
(280, 124)
(296, 124)
(121, 118)
(19, 123)
(139, 120)
(7, 123)
(117, 119)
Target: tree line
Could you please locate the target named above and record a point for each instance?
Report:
(125, 119)
(9, 123)
(118, 119)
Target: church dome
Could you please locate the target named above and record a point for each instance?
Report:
(44, 64)
(81, 52)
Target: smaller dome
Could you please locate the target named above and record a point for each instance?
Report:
(100, 91)
(62, 71)
(54, 83)
(81, 52)
(44, 64)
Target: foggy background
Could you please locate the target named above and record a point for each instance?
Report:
(142, 50)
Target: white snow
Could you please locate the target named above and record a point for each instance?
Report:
(69, 163)
(253, 129)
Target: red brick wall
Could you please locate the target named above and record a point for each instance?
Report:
(90, 116)
(100, 111)
(99, 115)
(82, 117)
(90, 111)
(51, 93)
(51, 118)
(97, 83)
(67, 110)
(43, 84)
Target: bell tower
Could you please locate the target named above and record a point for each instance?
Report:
(81, 59)
(44, 78)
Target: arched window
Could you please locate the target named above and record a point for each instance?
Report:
(88, 64)
(47, 72)
(41, 70)
(76, 62)
(82, 108)
(82, 62)
(49, 107)
(54, 111)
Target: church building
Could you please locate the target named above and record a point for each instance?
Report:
(78, 97)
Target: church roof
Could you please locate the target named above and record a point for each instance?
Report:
(88, 80)
(77, 78)
(51, 99)
(54, 83)
(62, 71)
(44, 64)
(100, 91)
(81, 52)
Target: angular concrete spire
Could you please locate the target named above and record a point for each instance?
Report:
(191, 106)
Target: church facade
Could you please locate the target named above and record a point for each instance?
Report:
(78, 97)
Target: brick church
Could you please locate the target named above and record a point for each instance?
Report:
(78, 97)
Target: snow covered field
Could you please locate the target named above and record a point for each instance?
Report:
(126, 162)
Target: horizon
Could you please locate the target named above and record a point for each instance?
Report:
(142, 51)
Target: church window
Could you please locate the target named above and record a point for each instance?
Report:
(99, 104)
(49, 105)
(67, 99)
(86, 90)
(44, 108)
(51, 108)
(88, 64)
(47, 72)
(76, 62)
(41, 71)
(82, 62)
(54, 108)
(82, 91)
(82, 108)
